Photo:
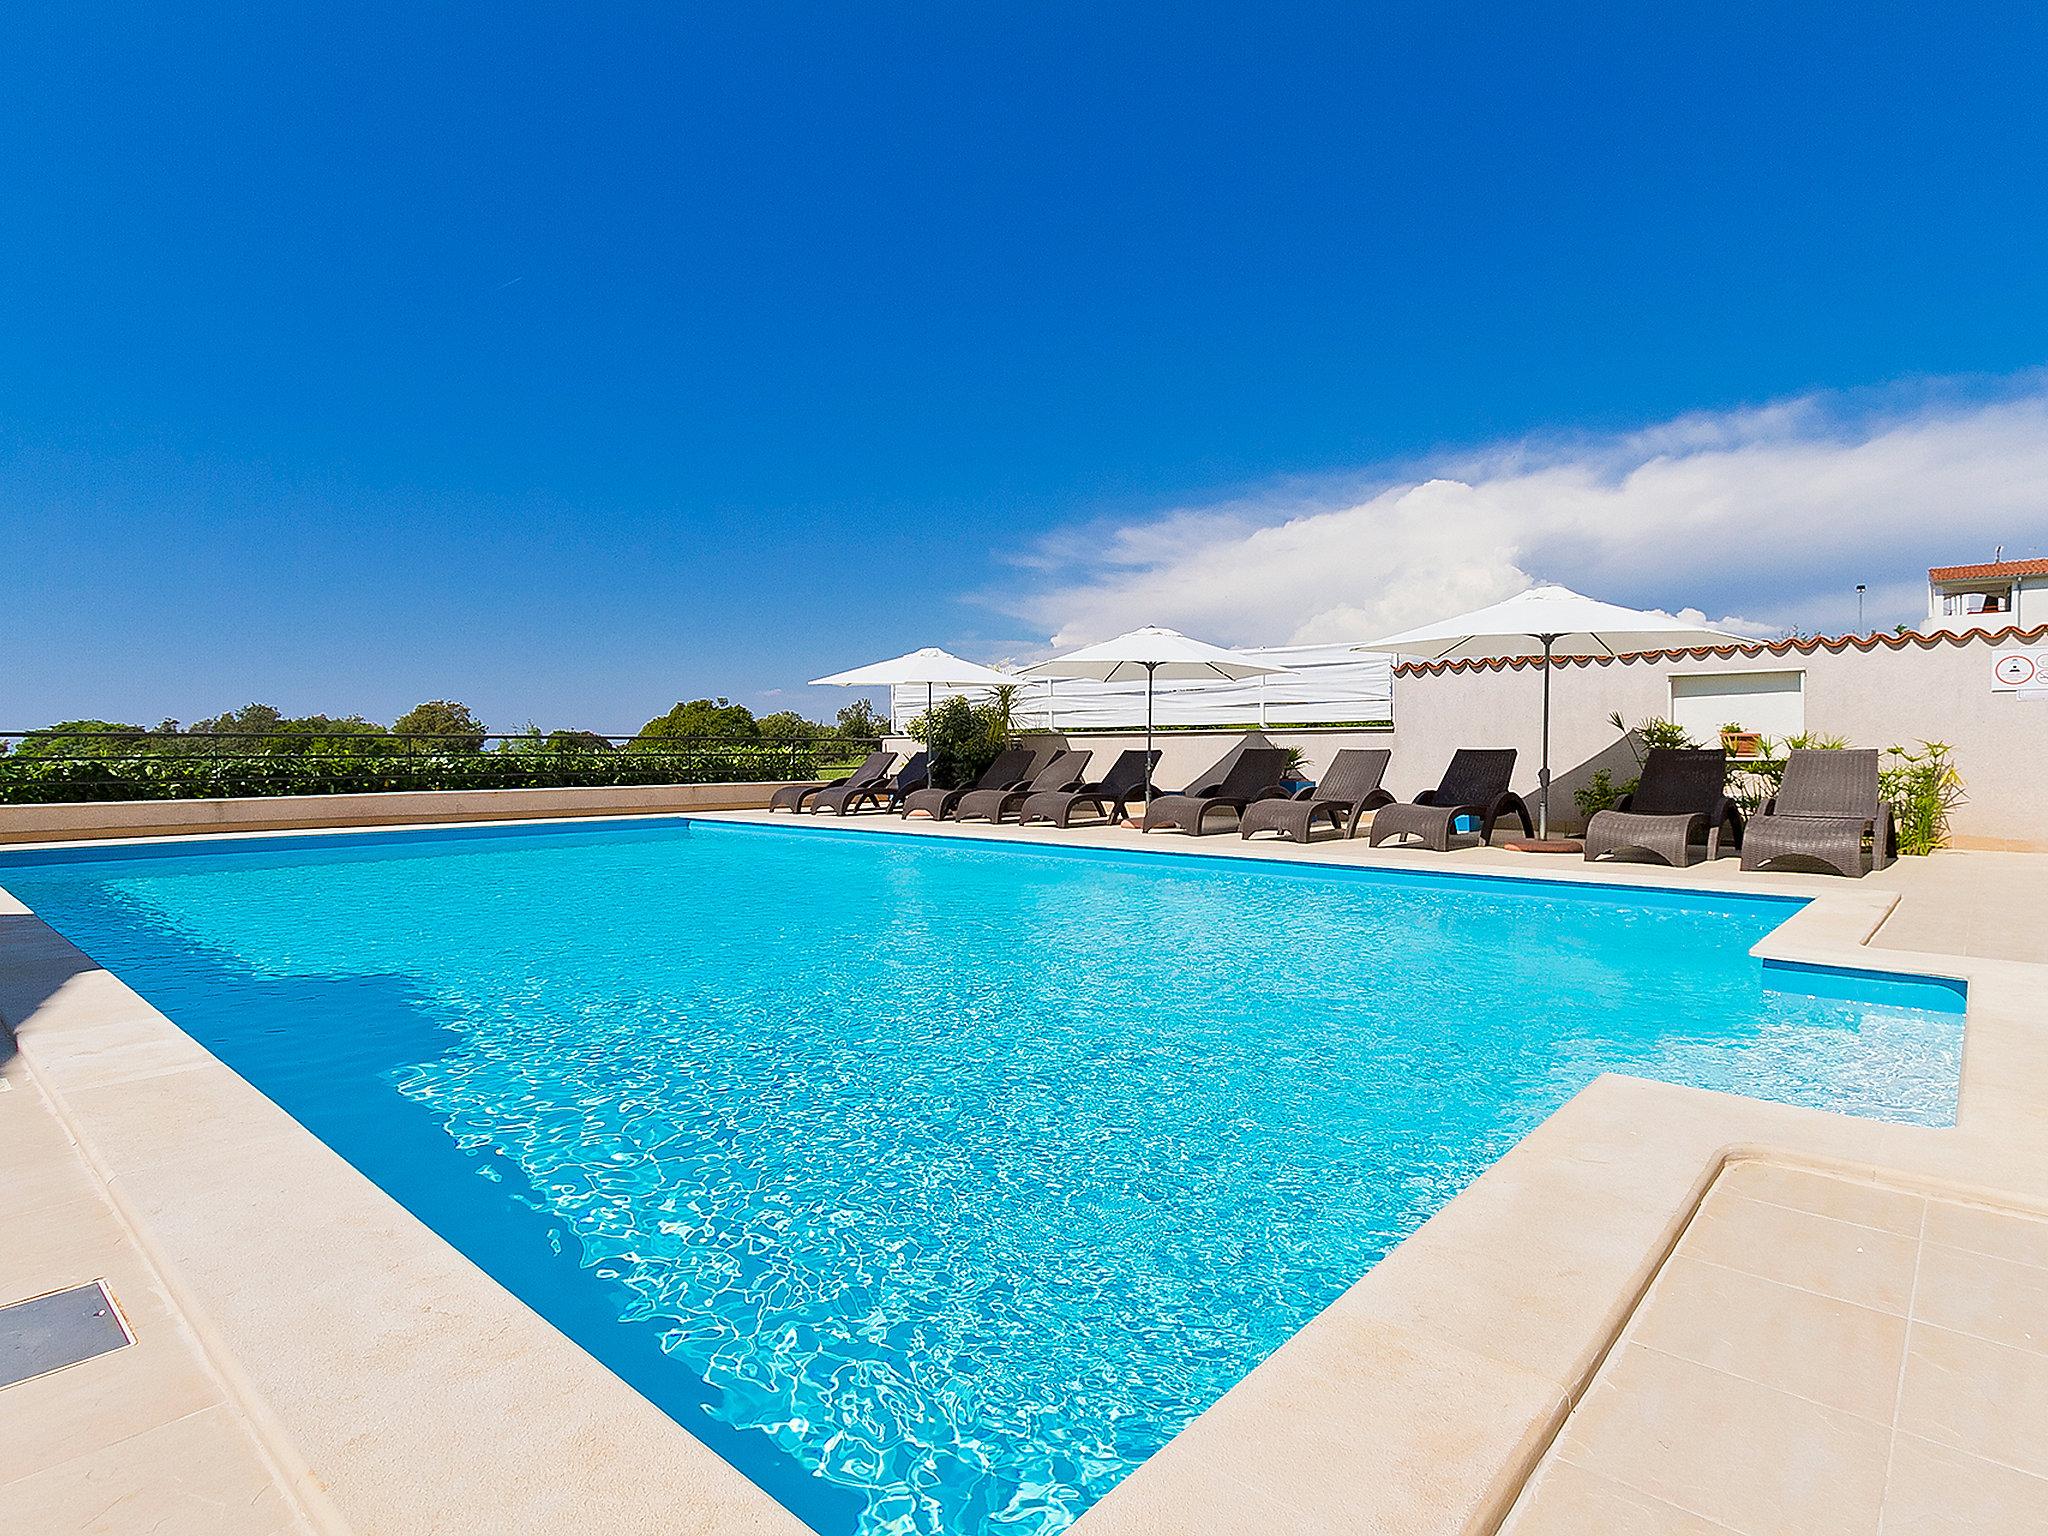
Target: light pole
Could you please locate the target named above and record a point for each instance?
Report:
(1859, 607)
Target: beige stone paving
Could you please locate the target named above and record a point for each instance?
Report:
(1965, 902)
(1412, 1405)
(1819, 1355)
(144, 1438)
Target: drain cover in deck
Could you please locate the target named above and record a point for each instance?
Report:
(50, 1332)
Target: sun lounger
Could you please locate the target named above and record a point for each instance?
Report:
(887, 795)
(1475, 785)
(1254, 776)
(1106, 796)
(1012, 769)
(797, 797)
(1681, 800)
(1826, 805)
(1347, 791)
(1066, 771)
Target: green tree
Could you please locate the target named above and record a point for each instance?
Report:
(720, 718)
(860, 721)
(533, 739)
(455, 728)
(788, 725)
(250, 719)
(270, 730)
(83, 738)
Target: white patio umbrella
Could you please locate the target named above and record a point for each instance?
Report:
(1153, 653)
(931, 666)
(1565, 624)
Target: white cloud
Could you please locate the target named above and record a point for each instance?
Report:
(1771, 515)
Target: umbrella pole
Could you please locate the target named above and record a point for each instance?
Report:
(1150, 668)
(1543, 773)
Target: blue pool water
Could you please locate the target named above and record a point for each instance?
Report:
(937, 1184)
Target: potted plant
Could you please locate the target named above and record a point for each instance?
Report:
(1738, 742)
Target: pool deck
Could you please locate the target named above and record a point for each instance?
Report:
(1666, 1310)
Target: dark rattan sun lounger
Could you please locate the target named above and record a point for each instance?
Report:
(1826, 804)
(1012, 769)
(889, 794)
(1474, 785)
(1254, 776)
(1680, 800)
(1206, 783)
(1347, 792)
(796, 797)
(1107, 796)
(1066, 771)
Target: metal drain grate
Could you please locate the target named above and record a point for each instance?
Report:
(50, 1332)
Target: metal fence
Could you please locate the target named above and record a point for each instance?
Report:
(42, 767)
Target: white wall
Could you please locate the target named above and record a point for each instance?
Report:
(1876, 691)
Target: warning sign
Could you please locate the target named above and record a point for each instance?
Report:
(2019, 671)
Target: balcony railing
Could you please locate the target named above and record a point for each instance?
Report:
(42, 767)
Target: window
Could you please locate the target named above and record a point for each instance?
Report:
(1771, 702)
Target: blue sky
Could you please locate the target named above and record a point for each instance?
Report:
(571, 361)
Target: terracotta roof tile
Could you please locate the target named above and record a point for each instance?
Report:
(1989, 571)
(1804, 645)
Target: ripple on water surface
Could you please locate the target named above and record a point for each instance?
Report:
(962, 1176)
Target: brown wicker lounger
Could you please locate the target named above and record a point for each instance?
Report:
(1066, 771)
(912, 776)
(1254, 776)
(796, 797)
(1108, 795)
(1680, 800)
(1827, 803)
(1348, 790)
(1012, 769)
(1475, 785)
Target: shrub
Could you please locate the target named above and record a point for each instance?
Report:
(1600, 793)
(962, 738)
(1652, 732)
(1922, 787)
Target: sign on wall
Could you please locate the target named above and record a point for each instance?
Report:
(2020, 672)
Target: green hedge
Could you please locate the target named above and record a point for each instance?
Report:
(28, 778)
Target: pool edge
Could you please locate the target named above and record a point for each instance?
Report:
(1625, 1157)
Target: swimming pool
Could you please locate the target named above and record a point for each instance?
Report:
(936, 1184)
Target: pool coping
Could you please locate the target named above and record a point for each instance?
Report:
(404, 1390)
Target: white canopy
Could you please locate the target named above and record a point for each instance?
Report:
(1152, 652)
(930, 666)
(1567, 623)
